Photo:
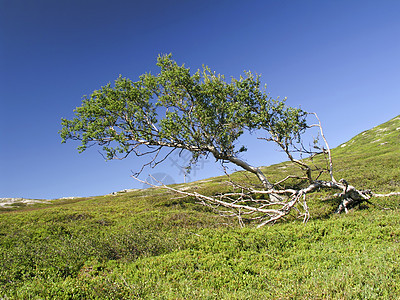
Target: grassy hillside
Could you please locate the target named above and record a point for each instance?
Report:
(153, 244)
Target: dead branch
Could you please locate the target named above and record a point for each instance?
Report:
(386, 195)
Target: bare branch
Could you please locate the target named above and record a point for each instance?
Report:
(386, 195)
(327, 146)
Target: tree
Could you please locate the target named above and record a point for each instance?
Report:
(204, 114)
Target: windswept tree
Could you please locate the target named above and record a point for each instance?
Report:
(204, 114)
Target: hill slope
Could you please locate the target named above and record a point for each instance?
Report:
(153, 244)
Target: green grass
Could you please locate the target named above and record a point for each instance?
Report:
(153, 244)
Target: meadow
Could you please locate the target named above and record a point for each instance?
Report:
(154, 244)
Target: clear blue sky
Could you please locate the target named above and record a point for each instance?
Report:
(340, 59)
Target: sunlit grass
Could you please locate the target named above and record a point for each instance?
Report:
(154, 244)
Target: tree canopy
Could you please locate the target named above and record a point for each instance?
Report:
(199, 112)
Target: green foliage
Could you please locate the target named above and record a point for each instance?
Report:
(353, 257)
(198, 112)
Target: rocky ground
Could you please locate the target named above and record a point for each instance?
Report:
(10, 202)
